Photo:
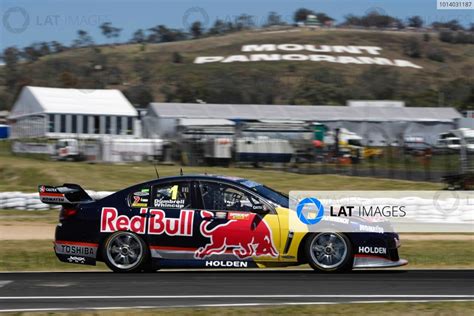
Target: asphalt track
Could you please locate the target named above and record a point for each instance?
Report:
(97, 290)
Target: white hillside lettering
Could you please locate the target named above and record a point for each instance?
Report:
(296, 52)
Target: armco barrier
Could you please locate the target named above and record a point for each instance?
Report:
(31, 201)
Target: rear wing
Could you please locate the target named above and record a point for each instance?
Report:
(68, 193)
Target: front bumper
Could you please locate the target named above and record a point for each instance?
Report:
(389, 243)
(366, 261)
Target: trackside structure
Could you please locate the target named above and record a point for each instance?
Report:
(378, 122)
(71, 113)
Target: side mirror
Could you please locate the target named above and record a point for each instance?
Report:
(260, 209)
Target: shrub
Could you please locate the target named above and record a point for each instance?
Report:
(177, 58)
(436, 55)
(412, 48)
(446, 36)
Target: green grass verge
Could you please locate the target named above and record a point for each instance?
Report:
(34, 255)
(428, 308)
(445, 254)
(38, 255)
(24, 174)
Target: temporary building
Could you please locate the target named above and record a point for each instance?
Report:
(65, 113)
(378, 125)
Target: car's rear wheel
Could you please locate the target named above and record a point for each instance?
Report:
(329, 252)
(125, 252)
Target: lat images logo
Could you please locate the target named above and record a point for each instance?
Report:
(16, 20)
(312, 203)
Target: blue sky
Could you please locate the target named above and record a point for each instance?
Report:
(25, 21)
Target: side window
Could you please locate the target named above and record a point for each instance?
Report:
(171, 196)
(221, 197)
(139, 197)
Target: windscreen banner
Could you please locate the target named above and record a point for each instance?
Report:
(382, 211)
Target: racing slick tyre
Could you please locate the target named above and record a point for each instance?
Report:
(329, 252)
(125, 252)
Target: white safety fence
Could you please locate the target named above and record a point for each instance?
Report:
(32, 202)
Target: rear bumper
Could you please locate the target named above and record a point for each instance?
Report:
(367, 261)
(73, 251)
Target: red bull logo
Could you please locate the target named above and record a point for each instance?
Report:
(158, 223)
(244, 237)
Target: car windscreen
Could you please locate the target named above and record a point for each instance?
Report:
(274, 196)
(270, 194)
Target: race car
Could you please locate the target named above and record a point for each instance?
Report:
(202, 221)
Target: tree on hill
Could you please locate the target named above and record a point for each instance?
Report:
(244, 22)
(378, 20)
(30, 53)
(352, 20)
(11, 56)
(415, 21)
(301, 14)
(324, 18)
(110, 31)
(373, 19)
(83, 39)
(196, 29)
(57, 47)
(452, 25)
(138, 37)
(162, 34)
(35, 51)
(221, 27)
(44, 49)
(274, 19)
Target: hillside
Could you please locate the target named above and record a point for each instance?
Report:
(167, 72)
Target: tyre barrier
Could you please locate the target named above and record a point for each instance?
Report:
(424, 208)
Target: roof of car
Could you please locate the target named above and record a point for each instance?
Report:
(228, 179)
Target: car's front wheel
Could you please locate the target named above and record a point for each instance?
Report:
(329, 252)
(125, 252)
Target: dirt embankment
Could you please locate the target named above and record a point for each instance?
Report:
(26, 231)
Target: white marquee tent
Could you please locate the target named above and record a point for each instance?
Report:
(59, 113)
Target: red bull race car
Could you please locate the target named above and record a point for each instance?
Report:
(202, 221)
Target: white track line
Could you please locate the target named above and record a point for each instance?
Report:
(101, 297)
(53, 309)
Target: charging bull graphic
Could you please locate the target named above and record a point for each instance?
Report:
(245, 237)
